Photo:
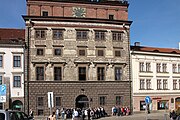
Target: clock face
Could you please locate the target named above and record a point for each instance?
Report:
(79, 12)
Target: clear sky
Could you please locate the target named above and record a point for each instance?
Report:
(156, 23)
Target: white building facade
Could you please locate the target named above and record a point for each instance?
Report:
(11, 73)
(155, 73)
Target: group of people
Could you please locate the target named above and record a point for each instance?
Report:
(120, 111)
(78, 113)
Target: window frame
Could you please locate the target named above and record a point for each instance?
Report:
(59, 75)
(102, 75)
(100, 35)
(16, 62)
(58, 103)
(82, 35)
(41, 74)
(1, 61)
(45, 13)
(117, 36)
(40, 34)
(17, 82)
(58, 48)
(119, 100)
(83, 75)
(102, 100)
(59, 33)
(142, 84)
(38, 52)
(120, 73)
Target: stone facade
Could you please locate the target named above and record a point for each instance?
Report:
(70, 87)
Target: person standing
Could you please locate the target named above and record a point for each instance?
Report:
(52, 117)
(57, 114)
(31, 113)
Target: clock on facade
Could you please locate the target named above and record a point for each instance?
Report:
(79, 12)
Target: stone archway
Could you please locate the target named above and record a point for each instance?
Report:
(82, 101)
(17, 105)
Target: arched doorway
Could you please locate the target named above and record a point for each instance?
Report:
(177, 103)
(17, 105)
(82, 101)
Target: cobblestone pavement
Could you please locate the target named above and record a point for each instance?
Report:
(140, 116)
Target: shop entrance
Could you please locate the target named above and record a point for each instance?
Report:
(82, 102)
(177, 103)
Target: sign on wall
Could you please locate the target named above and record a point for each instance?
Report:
(2, 93)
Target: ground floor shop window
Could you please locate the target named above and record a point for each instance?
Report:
(163, 104)
(142, 105)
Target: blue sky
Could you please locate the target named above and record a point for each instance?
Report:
(155, 22)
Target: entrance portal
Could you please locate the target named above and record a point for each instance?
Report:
(17, 105)
(82, 102)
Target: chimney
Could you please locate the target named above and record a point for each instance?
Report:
(137, 44)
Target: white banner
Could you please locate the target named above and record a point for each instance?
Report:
(50, 100)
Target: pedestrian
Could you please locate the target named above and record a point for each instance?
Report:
(57, 114)
(52, 117)
(173, 115)
(31, 113)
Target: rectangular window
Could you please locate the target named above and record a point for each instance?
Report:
(174, 84)
(117, 36)
(111, 17)
(16, 61)
(39, 73)
(40, 102)
(40, 34)
(57, 52)
(178, 68)
(141, 66)
(117, 53)
(101, 73)
(82, 52)
(100, 52)
(148, 67)
(159, 84)
(102, 100)
(57, 73)
(165, 84)
(164, 67)
(118, 73)
(1, 61)
(82, 73)
(99, 35)
(119, 100)
(81, 35)
(58, 34)
(158, 67)
(17, 81)
(45, 13)
(174, 68)
(142, 84)
(1, 80)
(40, 52)
(40, 112)
(148, 84)
(58, 101)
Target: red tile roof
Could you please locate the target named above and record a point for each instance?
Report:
(9, 33)
(154, 49)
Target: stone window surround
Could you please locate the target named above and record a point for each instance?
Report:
(61, 66)
(101, 66)
(17, 55)
(40, 48)
(61, 49)
(40, 65)
(86, 66)
(59, 30)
